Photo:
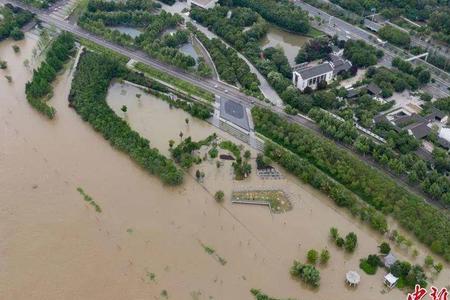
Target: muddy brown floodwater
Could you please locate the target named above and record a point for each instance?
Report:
(147, 238)
(288, 41)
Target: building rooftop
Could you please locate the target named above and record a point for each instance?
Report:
(374, 89)
(420, 130)
(203, 3)
(310, 72)
(235, 113)
(339, 64)
(389, 260)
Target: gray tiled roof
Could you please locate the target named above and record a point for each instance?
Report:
(420, 130)
(374, 89)
(310, 72)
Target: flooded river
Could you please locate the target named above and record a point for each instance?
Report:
(290, 42)
(146, 242)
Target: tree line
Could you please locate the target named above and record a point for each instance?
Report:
(13, 19)
(396, 155)
(181, 100)
(40, 85)
(362, 54)
(229, 65)
(281, 13)
(88, 97)
(429, 224)
(395, 36)
(101, 15)
(241, 33)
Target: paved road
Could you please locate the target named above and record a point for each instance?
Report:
(344, 30)
(208, 84)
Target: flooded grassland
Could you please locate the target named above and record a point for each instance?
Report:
(148, 238)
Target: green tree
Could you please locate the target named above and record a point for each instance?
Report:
(384, 248)
(429, 261)
(334, 234)
(312, 256)
(219, 196)
(351, 242)
(307, 273)
(324, 256)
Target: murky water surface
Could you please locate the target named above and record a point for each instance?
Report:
(133, 32)
(148, 237)
(290, 42)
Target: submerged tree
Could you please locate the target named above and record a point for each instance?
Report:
(219, 196)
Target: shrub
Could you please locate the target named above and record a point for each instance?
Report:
(384, 248)
(219, 196)
(324, 256)
(351, 241)
(307, 273)
(334, 234)
(213, 152)
(429, 261)
(312, 256)
(367, 267)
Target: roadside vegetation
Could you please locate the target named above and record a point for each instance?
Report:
(39, 89)
(231, 68)
(362, 54)
(88, 97)
(397, 155)
(13, 18)
(426, 222)
(395, 36)
(101, 17)
(175, 98)
(176, 82)
(281, 13)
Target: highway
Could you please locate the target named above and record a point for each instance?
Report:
(211, 85)
(344, 30)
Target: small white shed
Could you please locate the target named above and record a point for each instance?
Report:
(390, 280)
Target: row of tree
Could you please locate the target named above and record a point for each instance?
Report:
(394, 80)
(396, 155)
(240, 32)
(395, 36)
(88, 97)
(362, 54)
(182, 100)
(13, 18)
(428, 224)
(137, 13)
(318, 48)
(281, 13)
(229, 65)
(41, 84)
(422, 74)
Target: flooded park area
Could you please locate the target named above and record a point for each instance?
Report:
(288, 41)
(151, 241)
